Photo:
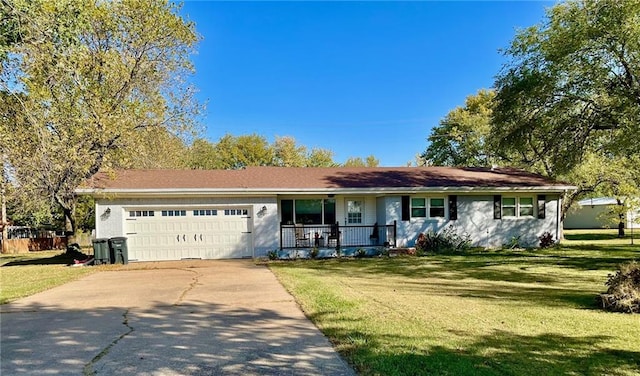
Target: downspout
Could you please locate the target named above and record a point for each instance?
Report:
(559, 215)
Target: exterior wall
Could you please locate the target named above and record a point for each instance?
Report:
(595, 217)
(265, 229)
(475, 217)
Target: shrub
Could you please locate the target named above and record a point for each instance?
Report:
(273, 255)
(546, 240)
(446, 241)
(360, 252)
(623, 294)
(514, 243)
(313, 253)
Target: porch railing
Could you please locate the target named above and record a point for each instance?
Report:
(337, 236)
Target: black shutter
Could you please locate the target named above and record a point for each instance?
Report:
(453, 207)
(497, 207)
(406, 211)
(542, 200)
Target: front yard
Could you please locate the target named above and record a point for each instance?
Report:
(484, 313)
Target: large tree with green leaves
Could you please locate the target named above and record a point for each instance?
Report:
(461, 137)
(86, 83)
(572, 85)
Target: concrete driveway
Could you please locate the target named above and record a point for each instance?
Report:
(169, 318)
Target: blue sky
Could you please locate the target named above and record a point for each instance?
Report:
(357, 78)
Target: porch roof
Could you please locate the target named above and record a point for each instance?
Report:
(311, 179)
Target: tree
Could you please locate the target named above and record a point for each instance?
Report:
(461, 137)
(319, 157)
(87, 83)
(370, 161)
(288, 154)
(572, 85)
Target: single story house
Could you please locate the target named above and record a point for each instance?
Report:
(593, 213)
(209, 214)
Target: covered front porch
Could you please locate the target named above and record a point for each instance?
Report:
(336, 236)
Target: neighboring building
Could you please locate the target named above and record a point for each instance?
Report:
(592, 213)
(176, 214)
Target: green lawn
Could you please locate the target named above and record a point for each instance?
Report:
(25, 274)
(484, 313)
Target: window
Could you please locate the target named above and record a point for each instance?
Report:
(174, 213)
(418, 207)
(236, 212)
(508, 206)
(517, 206)
(141, 213)
(436, 208)
(308, 211)
(526, 207)
(422, 207)
(354, 211)
(204, 212)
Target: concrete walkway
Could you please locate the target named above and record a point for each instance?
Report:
(169, 318)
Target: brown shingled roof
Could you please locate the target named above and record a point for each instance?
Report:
(288, 178)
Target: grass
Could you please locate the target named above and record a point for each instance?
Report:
(601, 237)
(25, 274)
(483, 313)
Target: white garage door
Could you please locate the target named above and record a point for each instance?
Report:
(175, 234)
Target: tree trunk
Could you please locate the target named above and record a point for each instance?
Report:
(621, 226)
(621, 219)
(69, 226)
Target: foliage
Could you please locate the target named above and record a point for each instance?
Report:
(546, 240)
(461, 137)
(273, 254)
(572, 85)
(445, 241)
(513, 243)
(623, 294)
(360, 252)
(86, 85)
(233, 152)
(313, 253)
(370, 161)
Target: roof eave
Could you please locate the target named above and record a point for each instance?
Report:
(172, 192)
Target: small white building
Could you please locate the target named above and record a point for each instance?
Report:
(176, 214)
(594, 213)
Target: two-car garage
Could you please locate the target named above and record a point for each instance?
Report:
(188, 233)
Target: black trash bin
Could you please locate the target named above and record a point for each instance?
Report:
(100, 251)
(119, 251)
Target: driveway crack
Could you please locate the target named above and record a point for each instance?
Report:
(88, 368)
(192, 285)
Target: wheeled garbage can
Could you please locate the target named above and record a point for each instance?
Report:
(119, 251)
(101, 251)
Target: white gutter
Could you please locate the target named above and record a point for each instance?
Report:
(151, 192)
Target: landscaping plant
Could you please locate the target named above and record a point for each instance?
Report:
(446, 241)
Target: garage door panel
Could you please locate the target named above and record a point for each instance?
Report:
(178, 237)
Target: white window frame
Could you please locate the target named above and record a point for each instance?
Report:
(355, 217)
(428, 206)
(518, 206)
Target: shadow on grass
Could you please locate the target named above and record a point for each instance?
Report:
(498, 353)
(60, 259)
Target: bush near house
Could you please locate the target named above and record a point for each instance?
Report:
(446, 241)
